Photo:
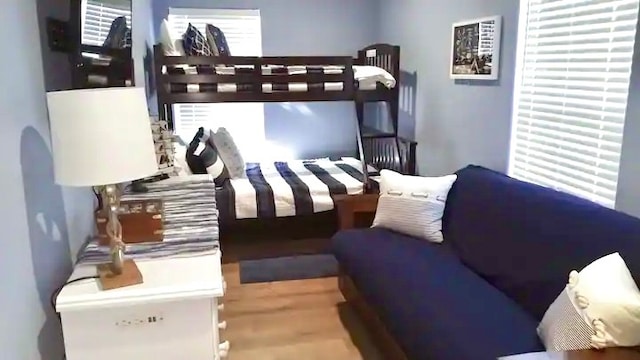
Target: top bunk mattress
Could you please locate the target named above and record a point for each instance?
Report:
(365, 78)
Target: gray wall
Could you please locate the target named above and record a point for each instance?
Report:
(305, 27)
(143, 39)
(44, 224)
(457, 123)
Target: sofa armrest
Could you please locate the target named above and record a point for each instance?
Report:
(351, 206)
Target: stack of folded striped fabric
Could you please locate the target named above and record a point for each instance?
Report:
(190, 222)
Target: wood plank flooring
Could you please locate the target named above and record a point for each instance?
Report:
(301, 319)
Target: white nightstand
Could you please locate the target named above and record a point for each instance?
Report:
(172, 315)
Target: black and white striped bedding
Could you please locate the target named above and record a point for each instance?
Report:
(291, 188)
(365, 78)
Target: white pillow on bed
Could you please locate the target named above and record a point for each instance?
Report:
(229, 152)
(413, 205)
(171, 45)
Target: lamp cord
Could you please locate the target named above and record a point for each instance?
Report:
(56, 292)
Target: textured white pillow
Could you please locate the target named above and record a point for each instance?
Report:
(171, 46)
(229, 152)
(599, 308)
(413, 205)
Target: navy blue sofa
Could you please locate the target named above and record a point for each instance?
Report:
(509, 247)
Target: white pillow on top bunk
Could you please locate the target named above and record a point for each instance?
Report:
(172, 46)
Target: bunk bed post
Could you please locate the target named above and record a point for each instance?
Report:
(161, 90)
(394, 102)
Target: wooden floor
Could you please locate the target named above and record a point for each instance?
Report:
(302, 319)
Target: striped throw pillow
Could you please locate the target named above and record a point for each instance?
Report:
(413, 205)
(599, 308)
(202, 158)
(195, 44)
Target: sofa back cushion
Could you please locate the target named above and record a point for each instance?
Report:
(525, 239)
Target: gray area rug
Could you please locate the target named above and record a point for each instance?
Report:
(288, 268)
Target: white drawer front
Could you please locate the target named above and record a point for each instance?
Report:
(162, 331)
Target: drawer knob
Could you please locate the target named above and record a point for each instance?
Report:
(223, 349)
(224, 285)
(222, 325)
(221, 308)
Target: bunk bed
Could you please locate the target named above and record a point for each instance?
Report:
(99, 66)
(369, 77)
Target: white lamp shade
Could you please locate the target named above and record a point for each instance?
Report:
(100, 136)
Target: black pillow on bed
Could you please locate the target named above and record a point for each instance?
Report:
(217, 40)
(195, 44)
(202, 158)
(117, 33)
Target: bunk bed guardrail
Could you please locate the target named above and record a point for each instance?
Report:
(213, 79)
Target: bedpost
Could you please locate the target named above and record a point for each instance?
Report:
(160, 86)
(363, 161)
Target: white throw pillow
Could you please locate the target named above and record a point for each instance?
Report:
(229, 152)
(172, 46)
(413, 205)
(599, 308)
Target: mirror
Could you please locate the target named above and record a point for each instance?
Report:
(102, 55)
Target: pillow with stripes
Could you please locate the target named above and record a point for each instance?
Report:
(413, 205)
(195, 44)
(202, 158)
(599, 308)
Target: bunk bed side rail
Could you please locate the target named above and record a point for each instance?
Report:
(250, 79)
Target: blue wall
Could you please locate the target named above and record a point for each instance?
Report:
(43, 223)
(305, 27)
(457, 123)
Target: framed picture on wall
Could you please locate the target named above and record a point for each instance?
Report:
(475, 49)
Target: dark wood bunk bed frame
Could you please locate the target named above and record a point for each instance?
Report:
(383, 150)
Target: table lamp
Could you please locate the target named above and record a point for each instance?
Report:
(102, 138)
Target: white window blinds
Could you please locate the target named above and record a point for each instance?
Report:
(245, 121)
(570, 97)
(97, 17)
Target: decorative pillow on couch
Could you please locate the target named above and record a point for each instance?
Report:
(413, 205)
(195, 44)
(599, 308)
(202, 158)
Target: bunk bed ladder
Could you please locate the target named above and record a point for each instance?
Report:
(366, 186)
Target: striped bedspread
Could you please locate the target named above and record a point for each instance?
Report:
(291, 188)
(365, 78)
(190, 222)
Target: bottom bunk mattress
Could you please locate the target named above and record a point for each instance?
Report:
(293, 188)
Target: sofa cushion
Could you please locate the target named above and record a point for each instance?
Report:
(433, 305)
(525, 239)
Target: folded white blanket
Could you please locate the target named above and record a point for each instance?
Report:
(368, 75)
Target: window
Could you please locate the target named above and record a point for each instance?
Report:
(570, 97)
(97, 16)
(245, 121)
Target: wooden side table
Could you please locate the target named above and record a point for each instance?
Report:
(172, 315)
(607, 354)
(351, 206)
